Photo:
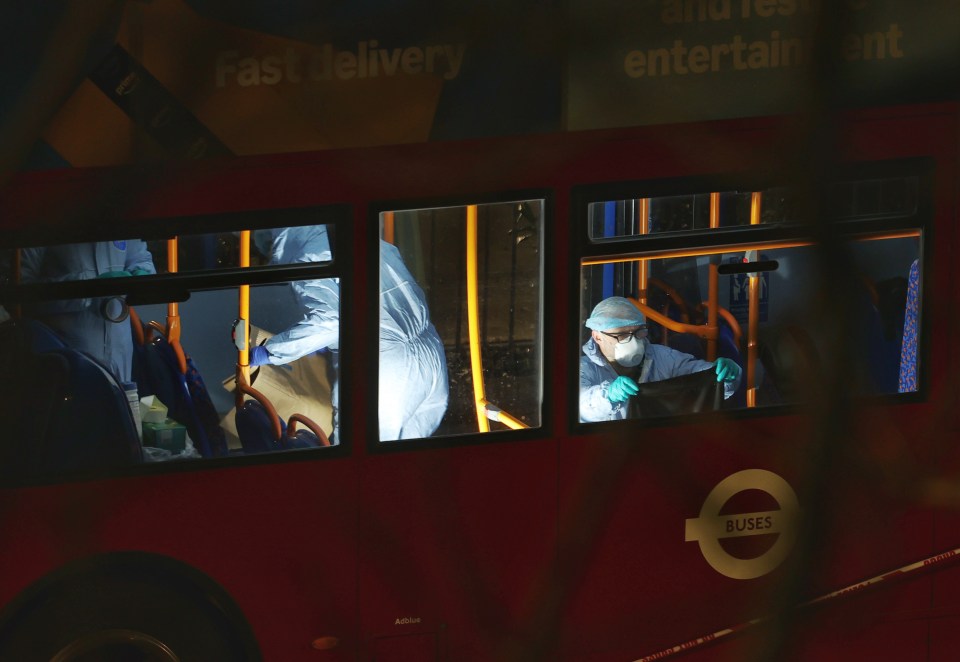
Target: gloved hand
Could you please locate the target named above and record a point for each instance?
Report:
(727, 370)
(259, 355)
(621, 389)
(114, 274)
(137, 271)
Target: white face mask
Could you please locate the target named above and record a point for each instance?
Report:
(630, 353)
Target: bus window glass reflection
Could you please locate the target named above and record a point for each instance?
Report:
(469, 278)
(127, 384)
(768, 321)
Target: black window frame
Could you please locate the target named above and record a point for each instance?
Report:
(585, 247)
(547, 347)
(163, 288)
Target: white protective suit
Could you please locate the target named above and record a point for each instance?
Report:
(81, 322)
(659, 363)
(413, 369)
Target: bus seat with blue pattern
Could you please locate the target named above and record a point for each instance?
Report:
(157, 371)
(907, 377)
(74, 415)
(259, 427)
(261, 430)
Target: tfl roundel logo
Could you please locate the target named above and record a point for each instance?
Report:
(710, 527)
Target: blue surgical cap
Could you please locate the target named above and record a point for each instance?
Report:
(613, 313)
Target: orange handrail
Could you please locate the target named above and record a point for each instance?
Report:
(243, 388)
(316, 429)
(170, 331)
(153, 325)
(699, 330)
(671, 292)
(136, 328)
(729, 319)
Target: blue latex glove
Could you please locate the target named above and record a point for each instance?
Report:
(137, 271)
(259, 355)
(621, 389)
(727, 370)
(114, 274)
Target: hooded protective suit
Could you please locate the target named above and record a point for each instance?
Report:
(658, 363)
(81, 322)
(413, 370)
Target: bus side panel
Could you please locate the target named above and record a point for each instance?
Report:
(944, 643)
(458, 543)
(821, 642)
(644, 587)
(933, 426)
(279, 538)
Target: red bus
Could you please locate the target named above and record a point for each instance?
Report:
(811, 515)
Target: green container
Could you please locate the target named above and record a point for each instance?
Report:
(168, 435)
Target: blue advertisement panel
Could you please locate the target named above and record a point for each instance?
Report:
(739, 295)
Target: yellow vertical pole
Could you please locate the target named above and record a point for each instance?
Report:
(473, 320)
(243, 352)
(753, 324)
(714, 210)
(173, 308)
(713, 303)
(642, 275)
(713, 284)
(388, 230)
(755, 200)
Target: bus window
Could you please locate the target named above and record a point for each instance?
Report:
(460, 331)
(116, 358)
(874, 198)
(303, 386)
(618, 219)
(221, 250)
(862, 199)
(755, 307)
